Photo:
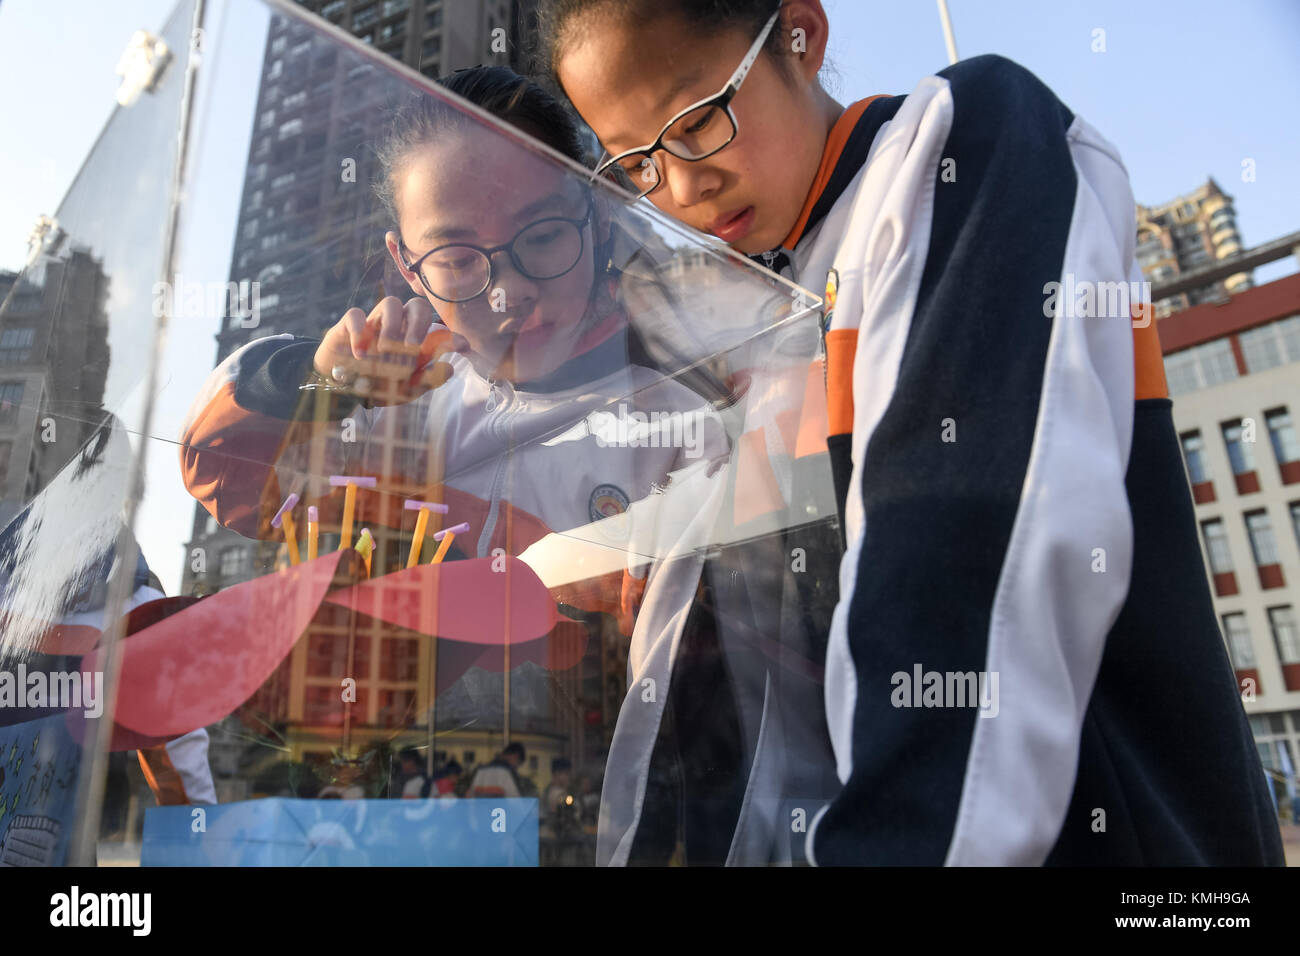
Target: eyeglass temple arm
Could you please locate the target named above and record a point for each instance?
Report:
(757, 47)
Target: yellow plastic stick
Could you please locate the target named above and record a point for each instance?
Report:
(442, 548)
(313, 532)
(421, 524)
(349, 508)
(291, 537)
(284, 517)
(445, 537)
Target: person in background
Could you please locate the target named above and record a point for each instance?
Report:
(445, 780)
(500, 778)
(412, 777)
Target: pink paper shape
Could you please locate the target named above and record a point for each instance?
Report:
(198, 665)
(462, 601)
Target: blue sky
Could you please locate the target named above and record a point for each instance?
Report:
(1185, 89)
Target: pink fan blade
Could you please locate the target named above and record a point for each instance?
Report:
(462, 601)
(197, 666)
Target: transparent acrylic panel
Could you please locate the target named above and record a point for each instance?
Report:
(77, 335)
(617, 642)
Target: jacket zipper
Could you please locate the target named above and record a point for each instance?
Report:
(498, 397)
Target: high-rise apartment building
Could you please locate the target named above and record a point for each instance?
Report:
(1185, 234)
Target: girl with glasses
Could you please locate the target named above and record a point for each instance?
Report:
(468, 392)
(1012, 498)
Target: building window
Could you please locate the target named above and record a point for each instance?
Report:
(400, 660)
(16, 345)
(291, 128)
(333, 10)
(6, 447)
(363, 18)
(1269, 346)
(1200, 367)
(1282, 621)
(233, 561)
(1239, 452)
(1262, 541)
(395, 708)
(1194, 453)
(11, 397)
(1237, 635)
(432, 47)
(433, 19)
(1281, 431)
(1216, 546)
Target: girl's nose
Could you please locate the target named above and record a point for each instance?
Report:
(688, 183)
(510, 290)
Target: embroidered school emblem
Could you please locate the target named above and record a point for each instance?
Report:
(832, 288)
(607, 501)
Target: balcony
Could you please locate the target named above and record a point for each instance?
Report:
(1291, 676)
(1247, 482)
(1225, 584)
(1270, 576)
(1250, 674)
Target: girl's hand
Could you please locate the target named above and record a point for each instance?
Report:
(390, 356)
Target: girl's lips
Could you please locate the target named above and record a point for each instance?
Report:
(734, 226)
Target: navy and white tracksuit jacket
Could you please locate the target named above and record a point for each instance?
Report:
(1013, 502)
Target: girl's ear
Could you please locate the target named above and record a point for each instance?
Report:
(394, 244)
(808, 44)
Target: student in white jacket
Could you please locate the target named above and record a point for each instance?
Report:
(538, 424)
(1009, 483)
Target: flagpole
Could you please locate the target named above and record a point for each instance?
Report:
(948, 37)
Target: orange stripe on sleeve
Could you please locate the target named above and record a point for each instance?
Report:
(1148, 362)
(841, 345)
(813, 428)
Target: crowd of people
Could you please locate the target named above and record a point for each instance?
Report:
(568, 807)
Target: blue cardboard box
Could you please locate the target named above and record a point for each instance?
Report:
(280, 831)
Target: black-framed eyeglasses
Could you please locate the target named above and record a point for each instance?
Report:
(695, 133)
(545, 249)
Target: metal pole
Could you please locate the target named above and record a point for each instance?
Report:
(948, 38)
(94, 770)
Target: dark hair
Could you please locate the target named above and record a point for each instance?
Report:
(496, 89)
(559, 20)
(517, 749)
(560, 764)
